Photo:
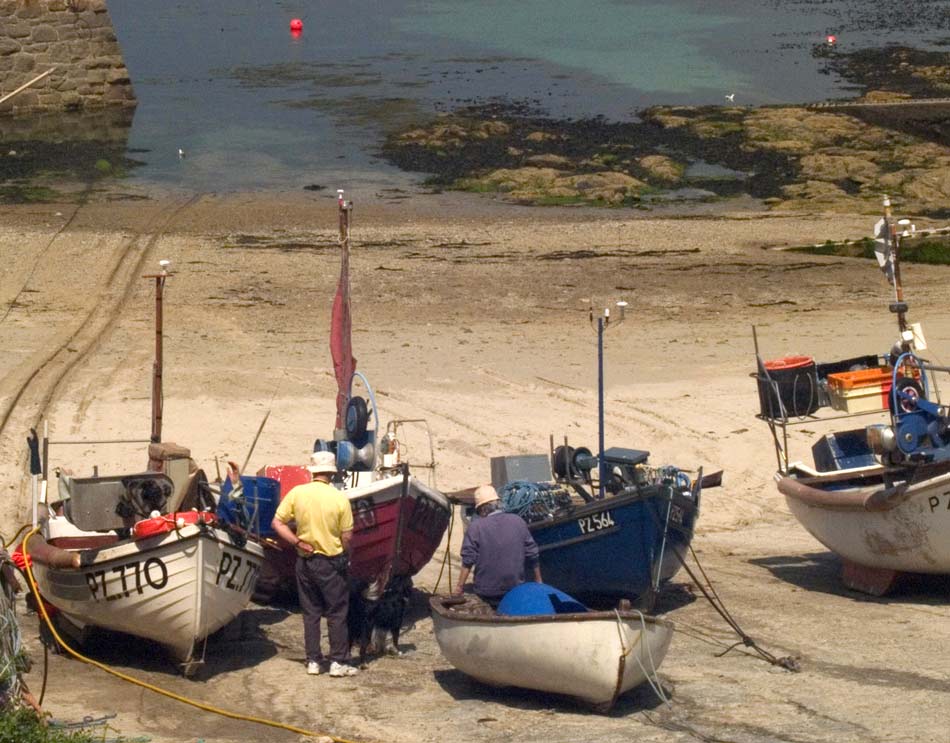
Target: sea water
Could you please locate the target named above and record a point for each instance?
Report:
(253, 106)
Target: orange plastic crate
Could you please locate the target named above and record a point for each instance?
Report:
(880, 377)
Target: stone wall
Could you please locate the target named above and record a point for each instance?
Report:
(74, 36)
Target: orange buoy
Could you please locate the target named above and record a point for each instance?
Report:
(296, 25)
(164, 524)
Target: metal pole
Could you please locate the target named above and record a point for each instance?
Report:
(601, 467)
(157, 368)
(890, 226)
(44, 461)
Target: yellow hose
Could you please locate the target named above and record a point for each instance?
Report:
(145, 684)
(15, 536)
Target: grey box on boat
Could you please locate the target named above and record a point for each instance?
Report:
(531, 467)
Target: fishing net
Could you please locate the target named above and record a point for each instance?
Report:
(13, 658)
(534, 501)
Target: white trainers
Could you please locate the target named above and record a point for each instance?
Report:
(341, 669)
(313, 668)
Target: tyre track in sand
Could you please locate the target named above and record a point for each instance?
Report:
(38, 383)
(38, 260)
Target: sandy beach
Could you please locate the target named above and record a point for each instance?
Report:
(473, 314)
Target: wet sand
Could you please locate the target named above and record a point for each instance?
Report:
(473, 315)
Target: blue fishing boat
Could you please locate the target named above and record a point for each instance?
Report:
(623, 544)
(609, 526)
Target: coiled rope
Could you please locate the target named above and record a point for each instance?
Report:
(534, 501)
(152, 687)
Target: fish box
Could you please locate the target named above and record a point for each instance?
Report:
(860, 391)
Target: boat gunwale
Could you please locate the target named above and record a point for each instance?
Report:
(149, 544)
(870, 498)
(602, 504)
(384, 482)
(442, 605)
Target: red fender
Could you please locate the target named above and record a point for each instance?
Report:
(164, 524)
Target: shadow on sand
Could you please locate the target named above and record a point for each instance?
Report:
(820, 572)
(238, 645)
(462, 687)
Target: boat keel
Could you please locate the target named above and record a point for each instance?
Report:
(873, 581)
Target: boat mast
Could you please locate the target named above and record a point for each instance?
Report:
(602, 323)
(341, 349)
(892, 236)
(157, 397)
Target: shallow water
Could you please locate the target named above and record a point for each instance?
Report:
(253, 106)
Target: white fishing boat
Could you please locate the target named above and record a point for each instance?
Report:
(175, 588)
(593, 656)
(878, 496)
(140, 553)
(879, 518)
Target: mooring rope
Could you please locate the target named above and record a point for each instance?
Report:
(787, 662)
(651, 675)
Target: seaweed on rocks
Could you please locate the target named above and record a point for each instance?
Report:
(459, 149)
(901, 70)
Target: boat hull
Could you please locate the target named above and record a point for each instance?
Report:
(398, 523)
(593, 657)
(618, 547)
(902, 528)
(175, 588)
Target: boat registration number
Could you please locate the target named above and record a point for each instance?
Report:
(124, 580)
(236, 573)
(935, 503)
(596, 522)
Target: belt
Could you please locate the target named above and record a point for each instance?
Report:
(311, 555)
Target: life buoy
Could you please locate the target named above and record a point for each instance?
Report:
(164, 524)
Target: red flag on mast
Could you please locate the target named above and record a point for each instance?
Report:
(341, 349)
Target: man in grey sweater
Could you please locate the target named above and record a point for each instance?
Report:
(499, 547)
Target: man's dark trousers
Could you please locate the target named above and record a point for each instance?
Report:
(323, 592)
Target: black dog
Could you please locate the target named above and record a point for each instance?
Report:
(373, 616)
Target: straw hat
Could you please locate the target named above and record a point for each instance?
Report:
(322, 462)
(485, 494)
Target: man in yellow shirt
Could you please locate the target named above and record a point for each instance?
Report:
(324, 528)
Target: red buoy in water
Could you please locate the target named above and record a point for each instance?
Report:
(832, 39)
(296, 25)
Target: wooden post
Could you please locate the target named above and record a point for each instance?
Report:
(157, 398)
